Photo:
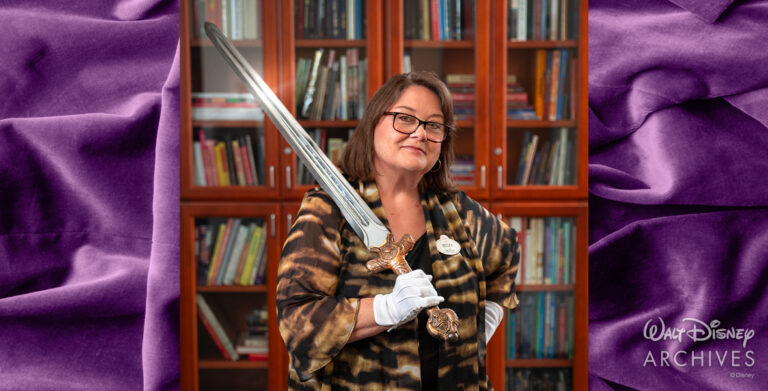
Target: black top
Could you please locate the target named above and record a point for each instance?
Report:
(419, 258)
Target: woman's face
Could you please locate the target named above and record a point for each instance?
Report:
(399, 153)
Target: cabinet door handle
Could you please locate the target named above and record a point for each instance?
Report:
(498, 171)
(288, 177)
(272, 177)
(290, 222)
(482, 176)
(272, 224)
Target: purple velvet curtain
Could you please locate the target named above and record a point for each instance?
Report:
(89, 192)
(678, 171)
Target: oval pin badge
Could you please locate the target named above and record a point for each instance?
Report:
(447, 245)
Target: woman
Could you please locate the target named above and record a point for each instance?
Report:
(347, 329)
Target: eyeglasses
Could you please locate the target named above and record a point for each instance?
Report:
(407, 124)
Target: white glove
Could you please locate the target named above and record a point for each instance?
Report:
(493, 315)
(412, 293)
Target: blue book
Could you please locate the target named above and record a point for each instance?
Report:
(358, 19)
(561, 88)
(540, 327)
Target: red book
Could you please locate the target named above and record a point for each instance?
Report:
(249, 180)
(258, 357)
(210, 151)
(434, 20)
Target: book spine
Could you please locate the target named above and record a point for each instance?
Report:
(225, 260)
(235, 148)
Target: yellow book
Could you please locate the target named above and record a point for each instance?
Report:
(253, 250)
(221, 163)
(215, 254)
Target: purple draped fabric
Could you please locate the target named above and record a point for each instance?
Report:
(89, 190)
(678, 171)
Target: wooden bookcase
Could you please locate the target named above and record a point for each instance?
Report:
(490, 141)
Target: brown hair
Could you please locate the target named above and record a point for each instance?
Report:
(357, 159)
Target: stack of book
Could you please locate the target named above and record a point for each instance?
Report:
(231, 252)
(331, 88)
(542, 19)
(463, 171)
(225, 106)
(547, 249)
(231, 161)
(541, 327)
(555, 78)
(237, 19)
(462, 87)
(253, 342)
(330, 19)
(439, 20)
(518, 106)
(539, 379)
(547, 162)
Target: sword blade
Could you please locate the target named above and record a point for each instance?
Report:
(360, 217)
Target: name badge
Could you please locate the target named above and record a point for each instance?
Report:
(447, 245)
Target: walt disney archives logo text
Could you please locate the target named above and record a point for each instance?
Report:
(698, 331)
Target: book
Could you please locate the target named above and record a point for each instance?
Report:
(218, 328)
(310, 90)
(199, 174)
(253, 249)
(236, 156)
(226, 256)
(235, 256)
(216, 255)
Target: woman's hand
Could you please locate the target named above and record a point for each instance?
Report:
(412, 293)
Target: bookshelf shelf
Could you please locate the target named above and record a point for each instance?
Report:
(545, 287)
(540, 124)
(328, 124)
(228, 124)
(240, 364)
(245, 43)
(465, 123)
(330, 43)
(539, 363)
(421, 44)
(232, 289)
(514, 44)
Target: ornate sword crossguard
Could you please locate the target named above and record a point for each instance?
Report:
(443, 323)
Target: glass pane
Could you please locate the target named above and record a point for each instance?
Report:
(451, 20)
(228, 156)
(335, 20)
(541, 327)
(542, 20)
(224, 155)
(332, 141)
(541, 156)
(541, 84)
(331, 84)
(440, 38)
(535, 379)
(230, 251)
(547, 249)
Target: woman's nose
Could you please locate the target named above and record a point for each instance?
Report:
(420, 132)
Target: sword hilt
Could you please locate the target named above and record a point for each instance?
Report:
(443, 323)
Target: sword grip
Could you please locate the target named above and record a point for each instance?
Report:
(443, 323)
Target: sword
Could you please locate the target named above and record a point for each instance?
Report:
(443, 323)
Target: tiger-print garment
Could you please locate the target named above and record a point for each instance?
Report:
(322, 277)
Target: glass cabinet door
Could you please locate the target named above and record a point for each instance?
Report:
(232, 152)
